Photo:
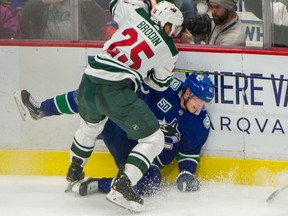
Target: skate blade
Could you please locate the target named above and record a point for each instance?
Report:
(73, 186)
(24, 113)
(276, 193)
(273, 195)
(117, 198)
(69, 186)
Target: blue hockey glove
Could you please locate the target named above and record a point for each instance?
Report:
(186, 181)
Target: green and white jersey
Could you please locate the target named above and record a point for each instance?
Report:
(138, 50)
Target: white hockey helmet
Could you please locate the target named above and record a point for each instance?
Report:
(166, 12)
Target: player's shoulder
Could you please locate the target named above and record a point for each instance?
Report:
(197, 123)
(176, 84)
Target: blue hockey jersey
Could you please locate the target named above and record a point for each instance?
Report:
(185, 133)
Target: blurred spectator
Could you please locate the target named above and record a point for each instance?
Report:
(50, 19)
(18, 5)
(280, 19)
(110, 25)
(9, 21)
(104, 4)
(198, 23)
(227, 28)
(196, 20)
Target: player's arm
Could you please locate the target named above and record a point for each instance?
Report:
(119, 8)
(188, 159)
(186, 179)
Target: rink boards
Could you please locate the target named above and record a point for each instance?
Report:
(101, 164)
(247, 144)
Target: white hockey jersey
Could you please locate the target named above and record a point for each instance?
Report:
(138, 50)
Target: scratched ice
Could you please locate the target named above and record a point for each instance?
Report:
(38, 195)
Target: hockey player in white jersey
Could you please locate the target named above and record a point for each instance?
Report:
(141, 50)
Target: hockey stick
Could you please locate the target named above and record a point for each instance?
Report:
(227, 74)
(276, 193)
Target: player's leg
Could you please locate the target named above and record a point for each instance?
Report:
(150, 183)
(93, 185)
(118, 145)
(61, 104)
(81, 150)
(137, 120)
(91, 125)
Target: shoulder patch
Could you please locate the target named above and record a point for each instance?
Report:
(206, 122)
(175, 84)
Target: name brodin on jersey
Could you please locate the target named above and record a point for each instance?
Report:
(150, 32)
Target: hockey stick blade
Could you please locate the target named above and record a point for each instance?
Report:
(276, 193)
(24, 113)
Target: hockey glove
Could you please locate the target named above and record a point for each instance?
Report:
(186, 181)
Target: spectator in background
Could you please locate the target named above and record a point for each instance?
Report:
(194, 21)
(227, 28)
(18, 5)
(280, 19)
(50, 20)
(9, 21)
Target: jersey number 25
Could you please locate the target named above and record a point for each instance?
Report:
(134, 53)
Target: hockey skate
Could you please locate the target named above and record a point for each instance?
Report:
(75, 173)
(123, 195)
(27, 104)
(86, 187)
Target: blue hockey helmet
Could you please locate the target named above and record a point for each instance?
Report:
(201, 86)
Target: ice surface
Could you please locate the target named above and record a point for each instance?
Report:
(44, 196)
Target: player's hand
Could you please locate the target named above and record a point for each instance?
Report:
(186, 181)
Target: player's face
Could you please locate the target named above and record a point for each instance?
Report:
(167, 28)
(220, 15)
(191, 104)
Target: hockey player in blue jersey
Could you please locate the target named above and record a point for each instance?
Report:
(183, 119)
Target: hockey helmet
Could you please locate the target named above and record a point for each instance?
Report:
(201, 86)
(166, 12)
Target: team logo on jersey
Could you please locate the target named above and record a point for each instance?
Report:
(175, 83)
(170, 130)
(135, 127)
(164, 105)
(206, 121)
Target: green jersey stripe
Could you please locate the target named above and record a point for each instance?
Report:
(118, 65)
(161, 83)
(112, 6)
(107, 66)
